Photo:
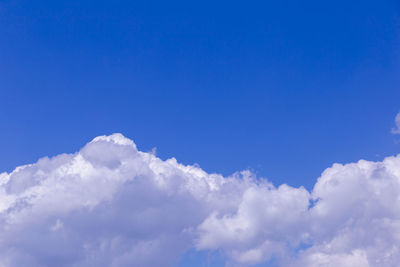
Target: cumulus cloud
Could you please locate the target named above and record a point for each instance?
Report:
(112, 205)
(396, 129)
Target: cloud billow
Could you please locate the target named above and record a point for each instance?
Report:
(112, 205)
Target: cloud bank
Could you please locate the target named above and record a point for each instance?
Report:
(112, 205)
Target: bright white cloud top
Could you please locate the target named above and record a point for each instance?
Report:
(112, 205)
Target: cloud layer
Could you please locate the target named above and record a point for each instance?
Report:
(112, 205)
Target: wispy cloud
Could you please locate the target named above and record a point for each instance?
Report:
(396, 129)
(112, 205)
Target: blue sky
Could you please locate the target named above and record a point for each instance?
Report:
(226, 85)
(283, 88)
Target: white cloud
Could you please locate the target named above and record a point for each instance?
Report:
(396, 129)
(112, 205)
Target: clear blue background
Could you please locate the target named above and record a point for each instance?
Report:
(284, 88)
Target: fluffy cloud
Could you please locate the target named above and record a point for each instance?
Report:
(112, 205)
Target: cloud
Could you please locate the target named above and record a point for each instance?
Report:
(396, 129)
(112, 205)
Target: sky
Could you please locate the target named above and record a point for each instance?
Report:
(260, 94)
